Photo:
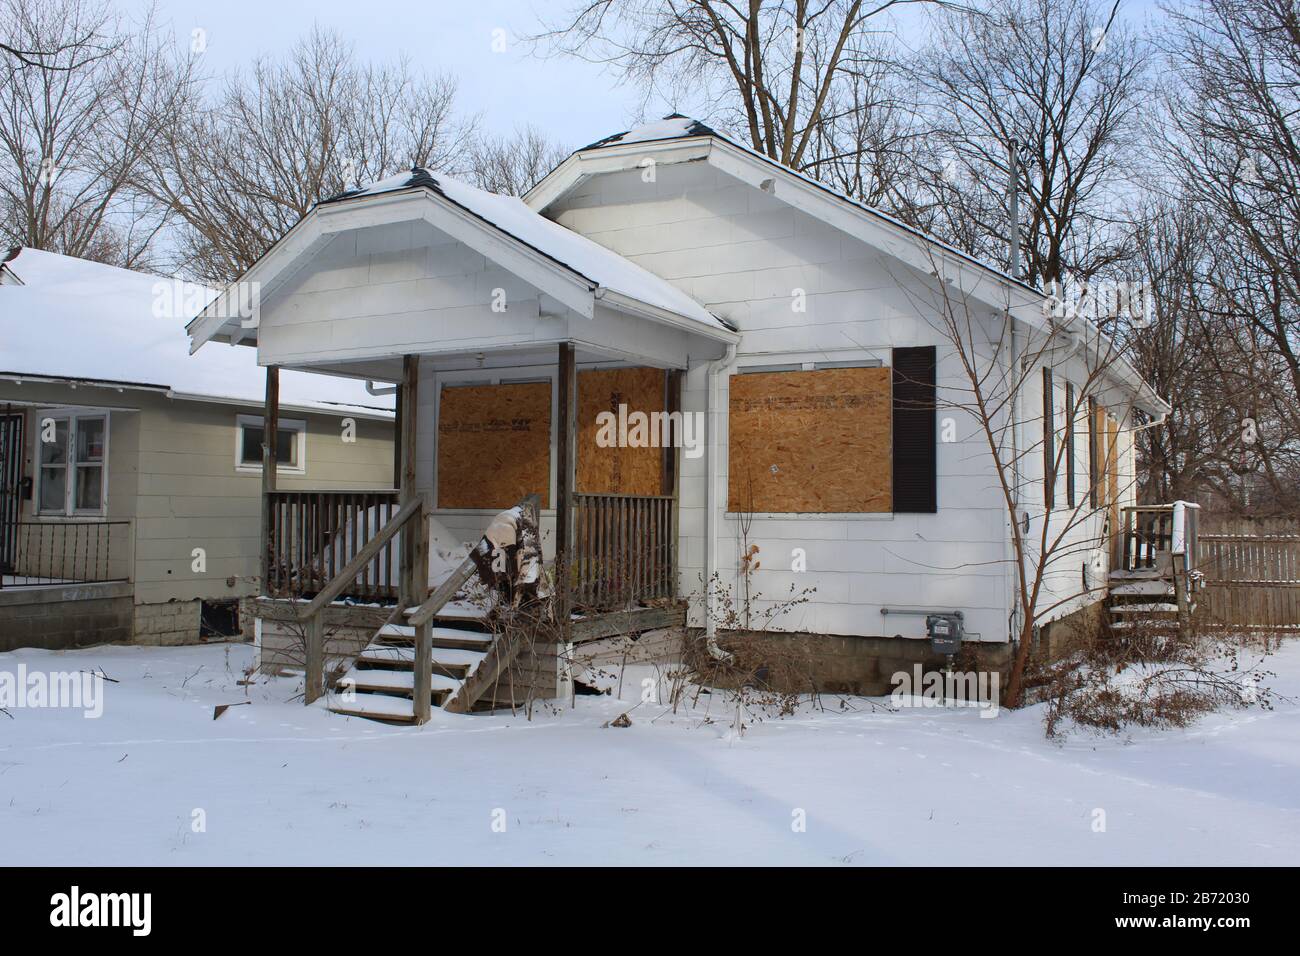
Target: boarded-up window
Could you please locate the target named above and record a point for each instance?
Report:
(810, 442)
(494, 444)
(634, 463)
(915, 453)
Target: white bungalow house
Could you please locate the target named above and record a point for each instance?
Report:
(131, 471)
(669, 269)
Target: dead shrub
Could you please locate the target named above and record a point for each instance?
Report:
(1149, 677)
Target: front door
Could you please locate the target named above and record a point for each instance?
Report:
(11, 474)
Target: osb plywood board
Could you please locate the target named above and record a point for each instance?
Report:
(811, 442)
(494, 444)
(624, 470)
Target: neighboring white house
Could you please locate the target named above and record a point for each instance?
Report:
(801, 326)
(130, 471)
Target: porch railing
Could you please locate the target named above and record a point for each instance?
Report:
(1151, 529)
(625, 549)
(313, 536)
(63, 552)
(1148, 530)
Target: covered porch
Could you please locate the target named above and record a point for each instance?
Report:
(472, 438)
(475, 436)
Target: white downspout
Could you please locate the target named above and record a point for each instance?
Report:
(712, 474)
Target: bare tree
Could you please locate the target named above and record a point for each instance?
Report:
(513, 164)
(870, 135)
(245, 167)
(1010, 371)
(1171, 351)
(83, 41)
(1234, 136)
(77, 125)
(773, 68)
(1062, 79)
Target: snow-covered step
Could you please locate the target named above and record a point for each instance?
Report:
(442, 637)
(383, 675)
(1145, 624)
(1163, 608)
(1152, 588)
(1137, 574)
(450, 661)
(401, 681)
(462, 610)
(376, 707)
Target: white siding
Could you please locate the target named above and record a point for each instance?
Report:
(191, 495)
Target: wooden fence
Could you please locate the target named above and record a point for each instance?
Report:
(1252, 572)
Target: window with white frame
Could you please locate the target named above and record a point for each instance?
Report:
(290, 445)
(73, 470)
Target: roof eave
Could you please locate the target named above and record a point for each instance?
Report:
(645, 310)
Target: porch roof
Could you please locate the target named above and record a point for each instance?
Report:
(502, 228)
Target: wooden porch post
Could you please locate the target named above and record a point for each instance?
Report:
(565, 478)
(414, 554)
(397, 441)
(270, 426)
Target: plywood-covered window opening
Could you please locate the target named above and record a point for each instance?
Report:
(620, 431)
(815, 441)
(494, 444)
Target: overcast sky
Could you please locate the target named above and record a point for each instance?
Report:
(574, 102)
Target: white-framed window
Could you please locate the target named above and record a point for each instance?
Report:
(72, 472)
(290, 445)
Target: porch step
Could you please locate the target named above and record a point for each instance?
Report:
(398, 683)
(1146, 624)
(1143, 588)
(393, 710)
(1144, 609)
(383, 675)
(403, 661)
(1138, 574)
(456, 611)
(450, 638)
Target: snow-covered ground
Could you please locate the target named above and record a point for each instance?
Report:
(274, 782)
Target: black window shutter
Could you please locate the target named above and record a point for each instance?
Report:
(1069, 445)
(1049, 440)
(915, 469)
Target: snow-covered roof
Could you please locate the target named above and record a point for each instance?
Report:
(675, 126)
(590, 260)
(74, 319)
